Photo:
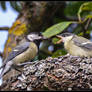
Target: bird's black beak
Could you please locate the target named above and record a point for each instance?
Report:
(60, 37)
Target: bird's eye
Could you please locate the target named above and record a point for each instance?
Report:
(66, 34)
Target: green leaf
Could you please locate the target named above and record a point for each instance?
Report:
(3, 5)
(16, 5)
(87, 17)
(59, 52)
(84, 7)
(56, 29)
(54, 40)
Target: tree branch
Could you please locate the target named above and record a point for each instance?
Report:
(1, 54)
(85, 26)
(4, 28)
(88, 23)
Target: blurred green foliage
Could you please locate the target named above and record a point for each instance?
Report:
(86, 10)
(54, 40)
(59, 52)
(3, 5)
(14, 4)
(72, 8)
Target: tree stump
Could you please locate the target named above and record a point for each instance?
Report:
(62, 73)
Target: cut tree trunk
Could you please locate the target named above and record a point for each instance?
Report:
(62, 73)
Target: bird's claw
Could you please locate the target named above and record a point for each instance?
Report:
(22, 64)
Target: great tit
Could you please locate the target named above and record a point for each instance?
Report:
(23, 52)
(76, 45)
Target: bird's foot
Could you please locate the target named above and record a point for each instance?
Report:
(74, 56)
(16, 68)
(67, 55)
(26, 63)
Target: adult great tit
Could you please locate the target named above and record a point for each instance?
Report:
(23, 52)
(76, 45)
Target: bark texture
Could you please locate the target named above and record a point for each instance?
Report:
(62, 73)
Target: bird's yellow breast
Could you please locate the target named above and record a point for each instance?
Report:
(76, 50)
(27, 55)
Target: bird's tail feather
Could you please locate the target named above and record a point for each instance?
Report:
(4, 63)
(6, 68)
(2, 66)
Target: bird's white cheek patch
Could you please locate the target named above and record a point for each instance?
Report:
(16, 50)
(86, 43)
(67, 38)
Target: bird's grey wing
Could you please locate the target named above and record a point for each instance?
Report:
(83, 42)
(18, 50)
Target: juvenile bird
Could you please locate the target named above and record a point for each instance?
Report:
(24, 52)
(76, 45)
